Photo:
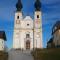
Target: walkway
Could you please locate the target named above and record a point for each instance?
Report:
(19, 55)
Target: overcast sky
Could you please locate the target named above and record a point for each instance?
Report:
(50, 14)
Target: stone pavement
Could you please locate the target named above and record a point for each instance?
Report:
(20, 55)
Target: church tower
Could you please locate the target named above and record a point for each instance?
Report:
(37, 25)
(27, 32)
(17, 25)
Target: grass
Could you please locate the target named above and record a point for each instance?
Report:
(46, 54)
(3, 55)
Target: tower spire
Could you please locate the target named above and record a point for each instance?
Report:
(19, 5)
(37, 5)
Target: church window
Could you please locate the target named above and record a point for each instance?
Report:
(27, 36)
(37, 16)
(27, 24)
(17, 17)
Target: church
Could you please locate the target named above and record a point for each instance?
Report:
(27, 32)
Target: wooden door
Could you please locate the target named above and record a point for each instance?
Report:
(28, 45)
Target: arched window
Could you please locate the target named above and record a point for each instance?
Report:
(27, 35)
(17, 17)
(37, 16)
(27, 24)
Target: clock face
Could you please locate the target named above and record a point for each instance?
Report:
(17, 21)
(37, 23)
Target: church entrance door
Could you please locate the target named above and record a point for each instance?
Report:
(27, 45)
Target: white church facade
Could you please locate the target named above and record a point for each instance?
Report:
(27, 31)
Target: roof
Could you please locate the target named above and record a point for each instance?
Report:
(2, 35)
(19, 5)
(27, 18)
(51, 40)
(56, 27)
(37, 5)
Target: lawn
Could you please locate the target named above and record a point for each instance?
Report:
(3, 55)
(46, 54)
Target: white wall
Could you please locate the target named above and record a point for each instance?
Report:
(16, 39)
(38, 30)
(56, 39)
(23, 38)
(20, 30)
(1, 44)
(25, 22)
(38, 38)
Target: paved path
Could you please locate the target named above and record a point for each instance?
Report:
(19, 55)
